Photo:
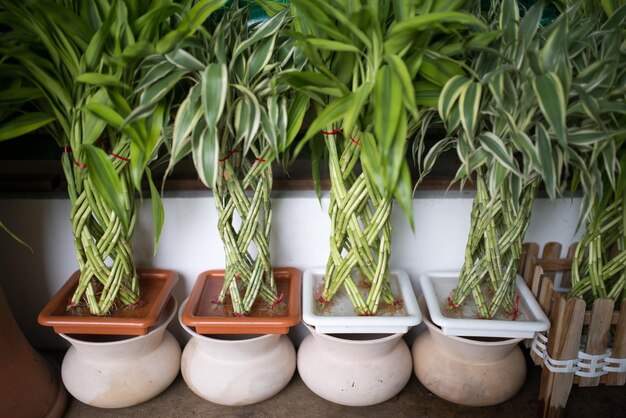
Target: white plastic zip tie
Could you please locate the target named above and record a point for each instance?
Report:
(620, 362)
(560, 366)
(595, 365)
(539, 345)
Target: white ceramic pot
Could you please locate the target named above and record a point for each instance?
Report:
(354, 369)
(468, 371)
(237, 369)
(115, 372)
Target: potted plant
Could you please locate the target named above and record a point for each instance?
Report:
(235, 120)
(374, 71)
(77, 64)
(516, 124)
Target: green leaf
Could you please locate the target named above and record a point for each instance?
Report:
(158, 213)
(214, 91)
(328, 45)
(187, 117)
(401, 72)
(469, 105)
(530, 23)
(548, 169)
(328, 116)
(296, 113)
(98, 79)
(19, 94)
(14, 236)
(358, 98)
(106, 181)
(387, 107)
(403, 193)
(551, 98)
(24, 124)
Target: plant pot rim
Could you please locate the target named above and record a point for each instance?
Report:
(354, 324)
(375, 337)
(194, 334)
(467, 340)
(473, 327)
(170, 309)
(158, 283)
(288, 278)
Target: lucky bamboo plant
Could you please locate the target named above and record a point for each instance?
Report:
(516, 123)
(235, 120)
(599, 265)
(375, 67)
(72, 66)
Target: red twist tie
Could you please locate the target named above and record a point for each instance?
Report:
(280, 299)
(452, 304)
(261, 160)
(136, 304)
(516, 311)
(71, 304)
(228, 154)
(216, 302)
(79, 165)
(339, 131)
(67, 150)
(321, 298)
(119, 157)
(239, 314)
(398, 302)
(366, 314)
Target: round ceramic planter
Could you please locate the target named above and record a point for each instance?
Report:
(468, 371)
(116, 372)
(354, 369)
(237, 369)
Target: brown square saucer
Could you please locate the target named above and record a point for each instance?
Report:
(209, 317)
(156, 287)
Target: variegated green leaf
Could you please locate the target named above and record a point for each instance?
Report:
(469, 106)
(496, 147)
(544, 148)
(551, 98)
(214, 92)
(205, 152)
(450, 93)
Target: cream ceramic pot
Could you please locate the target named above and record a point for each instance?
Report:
(237, 369)
(116, 372)
(354, 369)
(466, 371)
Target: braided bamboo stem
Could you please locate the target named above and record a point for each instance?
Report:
(599, 266)
(244, 225)
(494, 248)
(99, 236)
(361, 231)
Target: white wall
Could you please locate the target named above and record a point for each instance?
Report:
(190, 244)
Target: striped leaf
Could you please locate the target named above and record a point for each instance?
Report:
(551, 98)
(187, 117)
(544, 148)
(205, 152)
(214, 92)
(158, 213)
(450, 93)
(495, 146)
(183, 59)
(98, 79)
(469, 105)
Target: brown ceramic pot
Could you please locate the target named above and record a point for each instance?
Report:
(208, 317)
(156, 288)
(29, 386)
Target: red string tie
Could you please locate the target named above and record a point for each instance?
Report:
(119, 157)
(136, 304)
(452, 304)
(228, 154)
(366, 314)
(339, 131)
(261, 160)
(516, 311)
(280, 299)
(321, 298)
(398, 302)
(71, 304)
(239, 314)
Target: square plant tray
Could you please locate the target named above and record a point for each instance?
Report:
(438, 286)
(340, 318)
(156, 287)
(208, 317)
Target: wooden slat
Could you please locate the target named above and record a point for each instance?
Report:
(598, 337)
(619, 348)
(564, 338)
(566, 281)
(536, 281)
(551, 251)
(530, 253)
(545, 296)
